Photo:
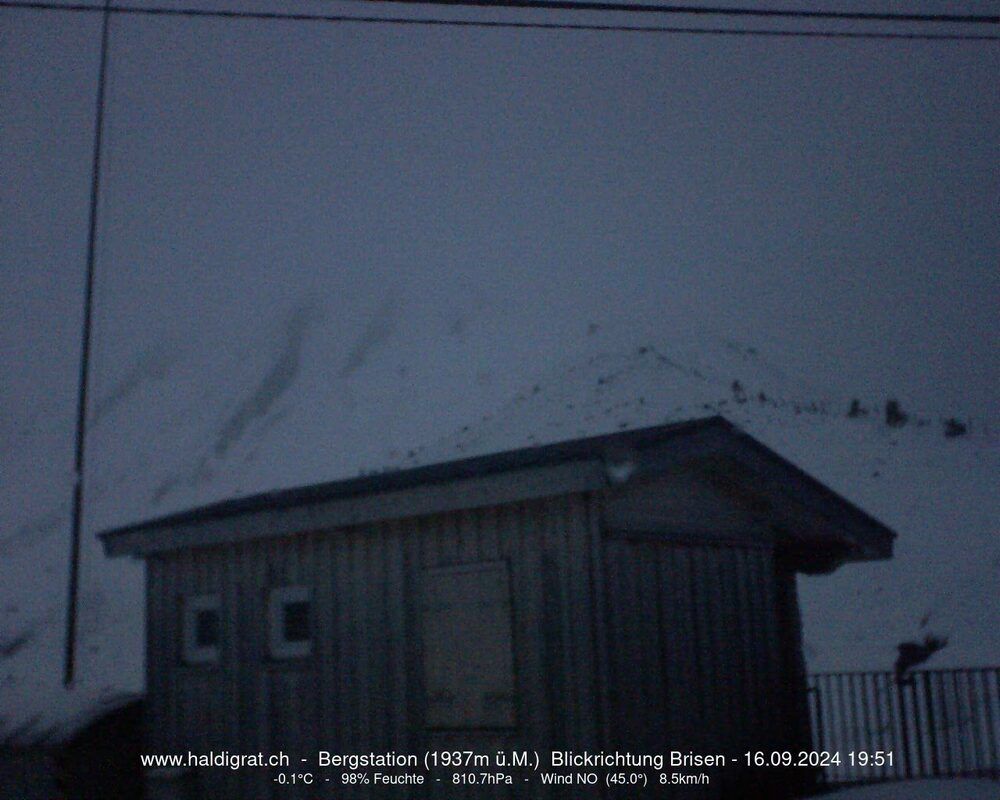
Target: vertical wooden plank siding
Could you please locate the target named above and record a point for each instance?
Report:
(641, 645)
(361, 689)
(691, 631)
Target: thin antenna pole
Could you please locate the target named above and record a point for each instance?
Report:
(81, 408)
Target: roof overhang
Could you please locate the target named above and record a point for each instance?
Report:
(808, 512)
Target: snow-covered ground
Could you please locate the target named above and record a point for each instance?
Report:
(956, 789)
(936, 491)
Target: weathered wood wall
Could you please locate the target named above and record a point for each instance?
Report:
(694, 651)
(619, 643)
(361, 690)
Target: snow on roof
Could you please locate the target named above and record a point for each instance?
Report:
(936, 490)
(187, 428)
(710, 436)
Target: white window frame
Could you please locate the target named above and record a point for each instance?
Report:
(278, 646)
(192, 652)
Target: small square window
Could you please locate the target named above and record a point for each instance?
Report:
(296, 621)
(202, 635)
(206, 628)
(290, 622)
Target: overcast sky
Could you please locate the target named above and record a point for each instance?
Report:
(834, 203)
(322, 245)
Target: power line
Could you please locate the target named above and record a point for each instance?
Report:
(155, 11)
(81, 408)
(728, 11)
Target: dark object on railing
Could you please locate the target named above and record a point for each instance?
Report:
(913, 654)
(929, 724)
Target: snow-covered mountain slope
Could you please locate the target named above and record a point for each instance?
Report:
(301, 405)
(935, 488)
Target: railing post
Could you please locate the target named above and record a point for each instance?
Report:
(931, 726)
(817, 696)
(977, 756)
(959, 728)
(845, 717)
(991, 736)
(918, 727)
(866, 719)
(892, 713)
(946, 728)
(903, 728)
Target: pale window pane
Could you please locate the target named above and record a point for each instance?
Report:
(468, 647)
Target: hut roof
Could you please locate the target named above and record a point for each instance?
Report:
(581, 464)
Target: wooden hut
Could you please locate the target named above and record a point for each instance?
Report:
(630, 593)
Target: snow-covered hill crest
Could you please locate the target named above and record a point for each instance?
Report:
(930, 475)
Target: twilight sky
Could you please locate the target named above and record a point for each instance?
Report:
(322, 245)
(834, 203)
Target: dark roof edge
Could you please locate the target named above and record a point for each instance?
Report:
(476, 466)
(858, 514)
(825, 500)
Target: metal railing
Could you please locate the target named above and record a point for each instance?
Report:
(930, 723)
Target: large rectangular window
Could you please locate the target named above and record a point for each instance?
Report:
(468, 646)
